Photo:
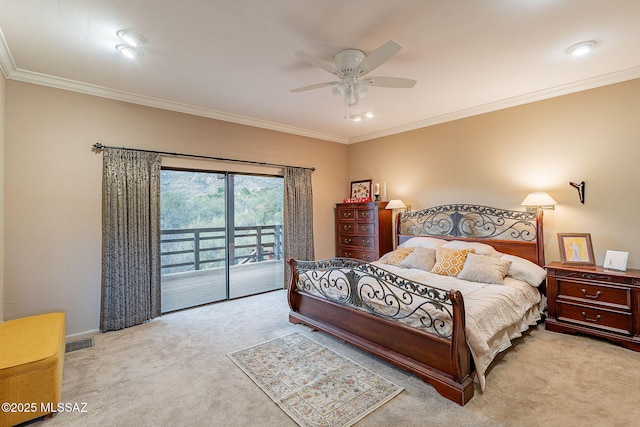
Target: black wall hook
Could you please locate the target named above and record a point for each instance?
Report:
(580, 188)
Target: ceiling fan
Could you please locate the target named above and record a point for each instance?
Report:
(351, 67)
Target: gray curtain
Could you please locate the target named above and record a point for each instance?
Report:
(298, 217)
(130, 238)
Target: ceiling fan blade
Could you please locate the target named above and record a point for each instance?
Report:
(316, 86)
(316, 61)
(379, 56)
(395, 82)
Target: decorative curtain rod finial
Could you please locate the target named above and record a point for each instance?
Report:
(98, 146)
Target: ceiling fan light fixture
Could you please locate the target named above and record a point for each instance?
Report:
(582, 48)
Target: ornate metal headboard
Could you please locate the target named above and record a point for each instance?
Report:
(515, 232)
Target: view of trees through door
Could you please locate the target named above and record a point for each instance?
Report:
(221, 236)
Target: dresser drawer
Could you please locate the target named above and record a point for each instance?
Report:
(365, 215)
(347, 214)
(347, 227)
(606, 320)
(619, 297)
(358, 241)
(368, 256)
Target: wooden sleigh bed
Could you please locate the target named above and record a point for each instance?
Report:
(410, 323)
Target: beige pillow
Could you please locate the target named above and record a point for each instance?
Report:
(421, 258)
(449, 262)
(484, 269)
(396, 257)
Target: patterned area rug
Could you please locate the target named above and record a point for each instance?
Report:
(312, 384)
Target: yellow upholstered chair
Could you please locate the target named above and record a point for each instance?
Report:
(31, 361)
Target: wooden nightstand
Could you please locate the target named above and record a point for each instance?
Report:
(594, 301)
(363, 230)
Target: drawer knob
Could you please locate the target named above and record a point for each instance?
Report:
(596, 296)
(347, 240)
(365, 214)
(591, 319)
(347, 254)
(366, 241)
(347, 227)
(347, 214)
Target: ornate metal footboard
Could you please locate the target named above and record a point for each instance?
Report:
(377, 291)
(414, 326)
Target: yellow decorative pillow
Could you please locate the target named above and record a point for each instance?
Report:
(449, 262)
(396, 257)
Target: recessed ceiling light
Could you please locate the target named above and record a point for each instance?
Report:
(131, 38)
(368, 115)
(581, 48)
(356, 118)
(128, 51)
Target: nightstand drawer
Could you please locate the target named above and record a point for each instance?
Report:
(367, 256)
(601, 294)
(607, 320)
(358, 241)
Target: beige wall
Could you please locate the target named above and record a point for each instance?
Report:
(496, 159)
(53, 187)
(3, 83)
(53, 180)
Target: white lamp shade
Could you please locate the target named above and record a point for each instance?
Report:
(538, 198)
(395, 204)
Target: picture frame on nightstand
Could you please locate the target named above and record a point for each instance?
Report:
(576, 249)
(616, 260)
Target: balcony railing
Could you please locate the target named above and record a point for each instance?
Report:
(190, 249)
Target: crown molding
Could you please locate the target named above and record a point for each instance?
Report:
(71, 85)
(7, 64)
(582, 85)
(10, 71)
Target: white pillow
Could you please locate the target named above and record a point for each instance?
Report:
(423, 242)
(525, 270)
(484, 269)
(478, 248)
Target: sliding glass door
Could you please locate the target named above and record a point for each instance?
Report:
(221, 236)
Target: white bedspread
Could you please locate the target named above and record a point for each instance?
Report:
(495, 314)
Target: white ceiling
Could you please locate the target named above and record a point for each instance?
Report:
(234, 59)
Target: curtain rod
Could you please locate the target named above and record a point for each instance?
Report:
(98, 146)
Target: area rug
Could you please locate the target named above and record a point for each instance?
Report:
(312, 384)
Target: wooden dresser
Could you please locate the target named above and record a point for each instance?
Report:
(363, 230)
(594, 301)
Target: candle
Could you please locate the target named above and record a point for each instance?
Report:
(376, 189)
(384, 191)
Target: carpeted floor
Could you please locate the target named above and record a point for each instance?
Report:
(174, 371)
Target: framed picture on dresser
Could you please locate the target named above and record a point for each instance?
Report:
(576, 249)
(360, 189)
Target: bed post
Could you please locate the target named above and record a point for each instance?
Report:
(292, 285)
(460, 354)
(397, 236)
